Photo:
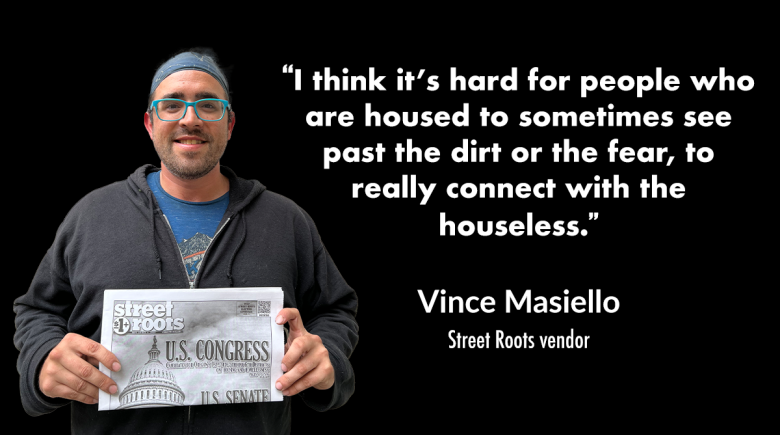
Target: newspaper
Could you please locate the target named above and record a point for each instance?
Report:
(193, 347)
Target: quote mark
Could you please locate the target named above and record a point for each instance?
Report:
(591, 217)
(289, 70)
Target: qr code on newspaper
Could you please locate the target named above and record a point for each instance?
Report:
(264, 308)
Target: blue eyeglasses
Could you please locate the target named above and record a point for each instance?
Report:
(172, 109)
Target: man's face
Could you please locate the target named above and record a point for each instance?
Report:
(190, 147)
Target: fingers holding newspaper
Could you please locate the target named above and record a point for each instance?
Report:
(306, 360)
(68, 372)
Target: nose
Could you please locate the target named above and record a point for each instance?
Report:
(190, 117)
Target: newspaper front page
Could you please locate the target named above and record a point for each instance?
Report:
(193, 347)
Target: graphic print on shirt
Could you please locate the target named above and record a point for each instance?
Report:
(192, 251)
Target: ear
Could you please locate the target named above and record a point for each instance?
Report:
(231, 123)
(148, 124)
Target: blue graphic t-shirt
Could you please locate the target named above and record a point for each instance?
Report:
(193, 223)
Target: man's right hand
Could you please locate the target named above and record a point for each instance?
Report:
(70, 370)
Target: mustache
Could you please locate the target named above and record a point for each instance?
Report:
(191, 132)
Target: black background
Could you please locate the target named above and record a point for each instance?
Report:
(678, 350)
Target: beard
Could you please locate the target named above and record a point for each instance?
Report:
(189, 165)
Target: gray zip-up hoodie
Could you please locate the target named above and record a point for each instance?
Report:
(117, 237)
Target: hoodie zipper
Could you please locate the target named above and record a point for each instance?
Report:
(197, 277)
(179, 252)
(202, 262)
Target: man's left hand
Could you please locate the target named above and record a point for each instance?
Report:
(306, 361)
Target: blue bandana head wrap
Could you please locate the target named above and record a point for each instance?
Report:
(189, 61)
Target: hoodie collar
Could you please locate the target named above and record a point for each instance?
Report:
(242, 192)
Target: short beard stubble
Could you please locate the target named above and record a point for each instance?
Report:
(186, 165)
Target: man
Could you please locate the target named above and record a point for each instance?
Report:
(139, 233)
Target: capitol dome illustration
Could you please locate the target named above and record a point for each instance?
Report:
(151, 385)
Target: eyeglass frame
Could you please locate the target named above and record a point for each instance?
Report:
(187, 104)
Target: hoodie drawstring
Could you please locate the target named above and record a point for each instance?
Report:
(154, 239)
(233, 257)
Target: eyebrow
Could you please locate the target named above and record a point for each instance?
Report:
(178, 95)
(199, 95)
